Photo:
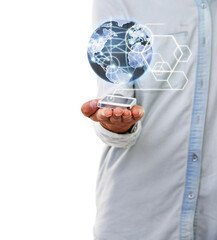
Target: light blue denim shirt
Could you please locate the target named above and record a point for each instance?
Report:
(160, 181)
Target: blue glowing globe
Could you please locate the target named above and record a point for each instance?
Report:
(120, 52)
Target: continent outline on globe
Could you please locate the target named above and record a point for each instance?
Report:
(120, 51)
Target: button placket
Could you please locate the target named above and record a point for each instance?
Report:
(193, 172)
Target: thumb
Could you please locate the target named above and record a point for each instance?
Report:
(90, 107)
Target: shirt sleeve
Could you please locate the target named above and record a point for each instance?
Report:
(105, 11)
(125, 140)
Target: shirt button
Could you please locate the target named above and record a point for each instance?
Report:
(191, 195)
(195, 158)
(203, 5)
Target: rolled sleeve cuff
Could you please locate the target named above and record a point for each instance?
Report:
(119, 140)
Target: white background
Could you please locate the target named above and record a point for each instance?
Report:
(49, 154)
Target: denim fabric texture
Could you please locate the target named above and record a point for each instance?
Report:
(160, 182)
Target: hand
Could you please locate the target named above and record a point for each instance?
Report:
(118, 120)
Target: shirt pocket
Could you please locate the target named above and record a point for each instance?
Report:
(170, 54)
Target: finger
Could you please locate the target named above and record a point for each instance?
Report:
(127, 116)
(116, 116)
(90, 107)
(102, 115)
(137, 112)
(117, 112)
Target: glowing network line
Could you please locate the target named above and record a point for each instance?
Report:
(171, 70)
(161, 69)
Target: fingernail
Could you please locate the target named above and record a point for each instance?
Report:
(93, 105)
(136, 112)
(118, 113)
(107, 113)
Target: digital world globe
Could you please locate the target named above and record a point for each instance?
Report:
(119, 52)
